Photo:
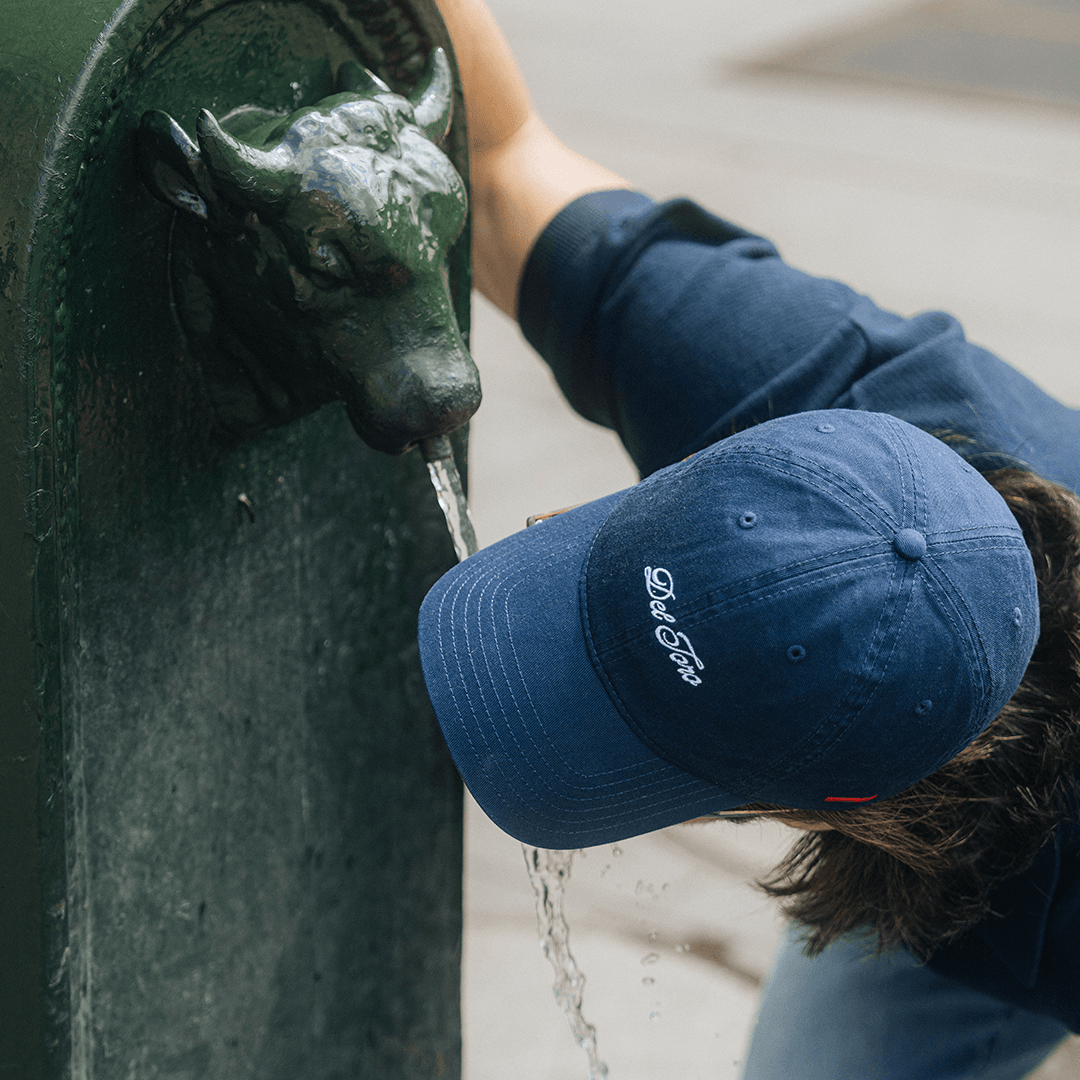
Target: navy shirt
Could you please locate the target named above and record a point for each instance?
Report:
(676, 329)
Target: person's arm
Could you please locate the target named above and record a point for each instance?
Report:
(521, 174)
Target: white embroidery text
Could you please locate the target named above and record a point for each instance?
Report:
(661, 587)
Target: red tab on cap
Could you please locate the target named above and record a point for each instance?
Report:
(834, 798)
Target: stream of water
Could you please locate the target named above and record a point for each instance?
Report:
(548, 870)
(445, 479)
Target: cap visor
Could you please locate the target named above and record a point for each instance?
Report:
(532, 730)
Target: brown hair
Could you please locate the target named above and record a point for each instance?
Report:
(917, 869)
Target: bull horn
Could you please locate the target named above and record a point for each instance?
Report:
(354, 78)
(433, 100)
(250, 177)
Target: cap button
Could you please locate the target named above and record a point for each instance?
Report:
(910, 543)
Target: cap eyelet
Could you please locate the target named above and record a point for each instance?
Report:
(923, 707)
(796, 654)
(747, 519)
(1017, 617)
(826, 429)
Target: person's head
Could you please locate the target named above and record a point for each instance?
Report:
(817, 612)
(919, 868)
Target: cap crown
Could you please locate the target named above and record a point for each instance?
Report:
(823, 608)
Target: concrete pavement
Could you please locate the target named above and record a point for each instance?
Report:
(921, 200)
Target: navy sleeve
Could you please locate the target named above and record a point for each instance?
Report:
(677, 328)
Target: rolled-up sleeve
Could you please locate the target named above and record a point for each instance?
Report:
(677, 328)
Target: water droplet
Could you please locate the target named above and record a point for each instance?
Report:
(616, 850)
(650, 958)
(648, 981)
(655, 1014)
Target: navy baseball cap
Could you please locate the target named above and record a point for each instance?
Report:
(816, 612)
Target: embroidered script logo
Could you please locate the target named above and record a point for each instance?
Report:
(660, 587)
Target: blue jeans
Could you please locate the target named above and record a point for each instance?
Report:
(851, 1015)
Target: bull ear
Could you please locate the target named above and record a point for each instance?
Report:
(433, 100)
(169, 163)
(252, 178)
(354, 78)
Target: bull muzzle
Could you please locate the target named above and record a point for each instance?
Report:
(416, 395)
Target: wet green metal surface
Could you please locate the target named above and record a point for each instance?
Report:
(229, 832)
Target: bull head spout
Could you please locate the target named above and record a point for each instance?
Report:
(309, 261)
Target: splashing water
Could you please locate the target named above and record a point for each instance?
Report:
(548, 870)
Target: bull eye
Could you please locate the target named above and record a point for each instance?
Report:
(330, 263)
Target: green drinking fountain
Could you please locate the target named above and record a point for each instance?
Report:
(230, 836)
